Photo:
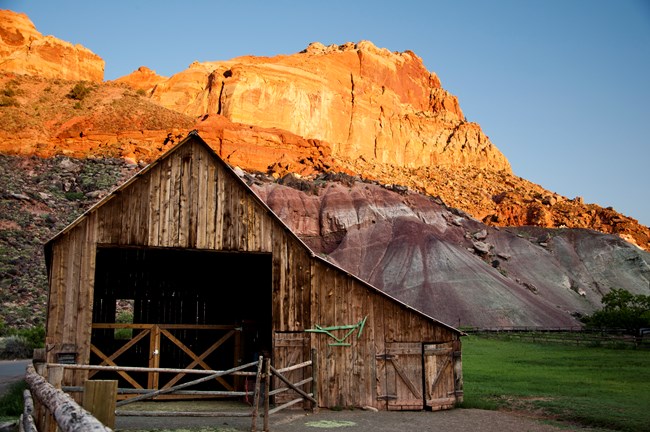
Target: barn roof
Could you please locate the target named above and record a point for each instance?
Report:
(194, 136)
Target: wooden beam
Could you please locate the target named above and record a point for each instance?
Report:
(187, 384)
(293, 387)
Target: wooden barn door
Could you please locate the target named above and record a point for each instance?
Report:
(289, 350)
(443, 381)
(399, 376)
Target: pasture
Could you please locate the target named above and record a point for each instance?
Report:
(606, 388)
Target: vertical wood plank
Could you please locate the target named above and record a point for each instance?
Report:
(185, 196)
(85, 306)
(165, 203)
(212, 205)
(154, 201)
(99, 398)
(203, 201)
(221, 208)
(175, 199)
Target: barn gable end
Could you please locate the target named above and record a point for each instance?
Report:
(229, 260)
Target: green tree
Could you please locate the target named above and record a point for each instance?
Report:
(622, 310)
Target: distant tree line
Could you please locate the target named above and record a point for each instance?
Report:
(621, 310)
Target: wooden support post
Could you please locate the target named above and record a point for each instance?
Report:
(39, 409)
(99, 399)
(154, 357)
(55, 378)
(237, 360)
(314, 383)
(267, 393)
(256, 395)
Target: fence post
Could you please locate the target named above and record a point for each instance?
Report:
(314, 383)
(267, 389)
(99, 399)
(256, 395)
(54, 377)
(39, 409)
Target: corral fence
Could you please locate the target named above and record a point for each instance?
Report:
(607, 338)
(52, 408)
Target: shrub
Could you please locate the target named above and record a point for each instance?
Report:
(21, 343)
(35, 336)
(74, 196)
(79, 91)
(6, 101)
(15, 347)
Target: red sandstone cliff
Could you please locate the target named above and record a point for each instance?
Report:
(352, 108)
(23, 50)
(366, 102)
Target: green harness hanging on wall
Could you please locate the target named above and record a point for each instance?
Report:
(340, 341)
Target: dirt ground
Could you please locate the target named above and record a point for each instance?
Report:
(348, 420)
(296, 420)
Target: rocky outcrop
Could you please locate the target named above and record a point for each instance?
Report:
(364, 101)
(115, 121)
(25, 51)
(112, 120)
(143, 79)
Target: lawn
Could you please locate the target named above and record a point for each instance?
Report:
(596, 387)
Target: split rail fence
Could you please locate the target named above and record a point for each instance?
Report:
(53, 407)
(615, 338)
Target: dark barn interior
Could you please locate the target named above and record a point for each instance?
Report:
(183, 288)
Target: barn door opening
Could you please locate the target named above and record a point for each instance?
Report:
(443, 376)
(399, 376)
(189, 309)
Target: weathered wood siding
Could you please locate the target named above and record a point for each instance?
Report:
(348, 374)
(190, 199)
(186, 200)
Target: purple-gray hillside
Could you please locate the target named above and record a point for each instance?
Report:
(453, 267)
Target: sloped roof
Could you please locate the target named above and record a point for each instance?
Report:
(193, 135)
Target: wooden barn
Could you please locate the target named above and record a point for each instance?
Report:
(184, 266)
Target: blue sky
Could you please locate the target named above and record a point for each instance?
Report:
(561, 87)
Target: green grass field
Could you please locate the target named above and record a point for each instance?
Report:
(596, 387)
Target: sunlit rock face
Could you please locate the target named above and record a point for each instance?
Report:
(25, 51)
(365, 101)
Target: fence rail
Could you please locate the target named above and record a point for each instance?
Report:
(55, 408)
(58, 408)
(565, 335)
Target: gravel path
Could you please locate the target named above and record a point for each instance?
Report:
(458, 420)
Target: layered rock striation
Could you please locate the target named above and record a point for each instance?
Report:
(366, 102)
(450, 265)
(25, 51)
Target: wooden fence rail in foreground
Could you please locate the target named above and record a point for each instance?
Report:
(26, 422)
(69, 416)
(64, 408)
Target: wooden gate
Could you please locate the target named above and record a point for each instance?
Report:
(399, 376)
(290, 349)
(443, 375)
(156, 333)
